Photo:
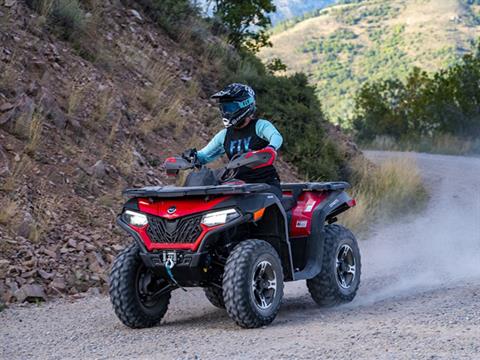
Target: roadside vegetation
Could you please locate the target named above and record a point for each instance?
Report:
(433, 113)
(383, 192)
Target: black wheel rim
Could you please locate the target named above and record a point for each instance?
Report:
(149, 288)
(346, 267)
(264, 285)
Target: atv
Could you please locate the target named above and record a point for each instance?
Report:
(237, 241)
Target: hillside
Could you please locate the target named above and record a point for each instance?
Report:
(347, 45)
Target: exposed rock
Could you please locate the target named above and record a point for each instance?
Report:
(58, 284)
(6, 106)
(99, 169)
(72, 243)
(10, 3)
(4, 164)
(30, 293)
(21, 113)
(50, 253)
(26, 226)
(4, 268)
(136, 14)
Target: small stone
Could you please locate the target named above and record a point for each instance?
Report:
(45, 275)
(58, 284)
(72, 243)
(89, 247)
(50, 253)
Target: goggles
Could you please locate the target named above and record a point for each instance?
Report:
(234, 106)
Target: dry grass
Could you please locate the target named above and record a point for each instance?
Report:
(382, 192)
(44, 207)
(35, 134)
(20, 169)
(439, 144)
(125, 160)
(8, 212)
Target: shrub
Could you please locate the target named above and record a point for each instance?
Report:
(171, 15)
(65, 16)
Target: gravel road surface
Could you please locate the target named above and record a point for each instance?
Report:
(418, 300)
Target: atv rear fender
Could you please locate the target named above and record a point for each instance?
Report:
(336, 203)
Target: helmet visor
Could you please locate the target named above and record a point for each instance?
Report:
(232, 107)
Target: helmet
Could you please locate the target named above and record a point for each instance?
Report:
(237, 102)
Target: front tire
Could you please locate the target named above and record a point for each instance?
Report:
(253, 284)
(132, 291)
(215, 296)
(339, 279)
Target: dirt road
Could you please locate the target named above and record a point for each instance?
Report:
(419, 299)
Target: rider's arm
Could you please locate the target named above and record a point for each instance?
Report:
(214, 149)
(268, 132)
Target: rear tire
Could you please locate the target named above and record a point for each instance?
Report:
(130, 284)
(215, 296)
(339, 279)
(253, 284)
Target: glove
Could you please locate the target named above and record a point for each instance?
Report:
(190, 154)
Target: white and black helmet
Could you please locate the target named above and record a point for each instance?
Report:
(237, 102)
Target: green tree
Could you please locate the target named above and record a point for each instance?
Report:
(246, 21)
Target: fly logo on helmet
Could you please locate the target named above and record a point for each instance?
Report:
(237, 102)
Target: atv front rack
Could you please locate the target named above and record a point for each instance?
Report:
(174, 191)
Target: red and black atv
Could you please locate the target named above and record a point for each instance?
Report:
(238, 241)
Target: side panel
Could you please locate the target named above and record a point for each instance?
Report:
(301, 221)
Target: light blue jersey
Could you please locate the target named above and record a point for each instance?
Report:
(215, 148)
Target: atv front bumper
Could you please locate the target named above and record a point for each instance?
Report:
(190, 269)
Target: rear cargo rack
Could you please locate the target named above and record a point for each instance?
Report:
(316, 186)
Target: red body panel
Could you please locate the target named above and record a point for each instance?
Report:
(183, 207)
(301, 223)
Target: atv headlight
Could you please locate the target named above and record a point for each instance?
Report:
(135, 218)
(220, 217)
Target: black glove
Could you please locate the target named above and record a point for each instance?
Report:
(190, 154)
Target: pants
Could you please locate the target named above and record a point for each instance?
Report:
(276, 188)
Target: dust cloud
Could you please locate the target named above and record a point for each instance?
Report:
(439, 247)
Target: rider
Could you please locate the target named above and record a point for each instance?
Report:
(243, 132)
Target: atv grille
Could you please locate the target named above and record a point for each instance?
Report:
(184, 230)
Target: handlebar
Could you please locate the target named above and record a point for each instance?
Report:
(253, 160)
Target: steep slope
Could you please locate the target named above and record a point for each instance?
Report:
(346, 45)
